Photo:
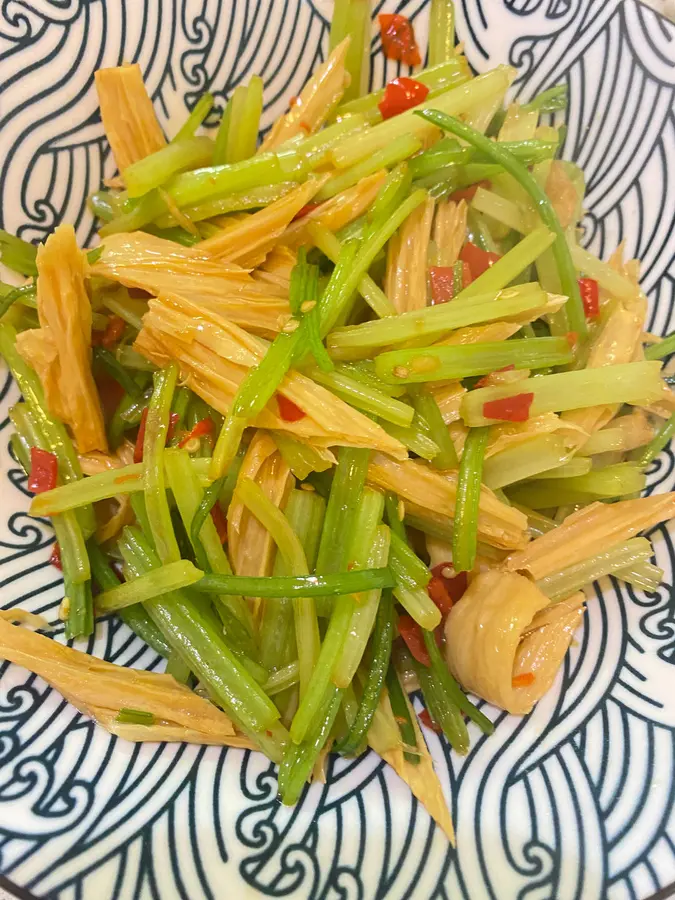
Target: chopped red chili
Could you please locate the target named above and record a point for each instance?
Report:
(220, 521)
(112, 334)
(411, 633)
(401, 94)
(524, 680)
(477, 259)
(140, 437)
(44, 471)
(398, 39)
(289, 411)
(202, 428)
(442, 283)
(509, 409)
(426, 720)
(455, 585)
(310, 207)
(55, 557)
(590, 297)
(438, 592)
(468, 193)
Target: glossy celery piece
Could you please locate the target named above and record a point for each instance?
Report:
(447, 152)
(171, 577)
(415, 437)
(613, 282)
(402, 147)
(429, 413)
(438, 78)
(193, 631)
(188, 493)
(154, 170)
(441, 31)
(17, 254)
(283, 678)
(443, 712)
(238, 201)
(553, 99)
(570, 468)
(245, 122)
(198, 114)
(275, 522)
(351, 18)
(643, 575)
(154, 481)
(301, 458)
(659, 351)
(455, 101)
(465, 530)
(363, 397)
(512, 264)
(401, 711)
(657, 443)
(560, 249)
(539, 454)
(369, 290)
(464, 360)
(303, 298)
(128, 716)
(332, 585)
(610, 562)
(600, 484)
(625, 383)
(434, 321)
(108, 362)
(25, 295)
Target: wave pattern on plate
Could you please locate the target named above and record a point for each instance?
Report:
(574, 802)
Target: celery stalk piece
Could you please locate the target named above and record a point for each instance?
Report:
(245, 123)
(188, 494)
(566, 582)
(625, 383)
(571, 468)
(363, 397)
(272, 518)
(660, 351)
(434, 321)
(447, 152)
(17, 254)
(438, 79)
(657, 443)
(600, 484)
(156, 429)
(455, 101)
(560, 249)
(332, 585)
(283, 678)
(402, 147)
(152, 171)
(351, 18)
(613, 282)
(441, 31)
(459, 361)
(502, 273)
(170, 577)
(198, 114)
(465, 529)
(428, 411)
(524, 460)
(643, 575)
(301, 458)
(369, 290)
(414, 437)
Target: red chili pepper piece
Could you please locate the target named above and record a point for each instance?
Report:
(468, 193)
(289, 411)
(398, 39)
(426, 720)
(442, 283)
(401, 94)
(113, 332)
(411, 633)
(310, 207)
(455, 585)
(485, 380)
(174, 419)
(55, 557)
(44, 471)
(590, 296)
(438, 592)
(524, 680)
(202, 428)
(220, 521)
(138, 447)
(509, 409)
(477, 259)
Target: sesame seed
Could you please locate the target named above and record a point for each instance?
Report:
(305, 486)
(401, 510)
(401, 372)
(447, 572)
(307, 306)
(64, 609)
(290, 326)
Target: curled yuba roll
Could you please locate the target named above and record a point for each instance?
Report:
(506, 641)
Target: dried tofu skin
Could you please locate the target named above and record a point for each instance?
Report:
(420, 778)
(494, 639)
(249, 239)
(430, 493)
(338, 211)
(60, 350)
(275, 271)
(406, 276)
(250, 544)
(214, 356)
(316, 101)
(590, 531)
(129, 119)
(449, 230)
(93, 685)
(159, 266)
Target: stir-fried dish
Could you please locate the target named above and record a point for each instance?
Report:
(333, 416)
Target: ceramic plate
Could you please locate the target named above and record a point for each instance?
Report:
(574, 802)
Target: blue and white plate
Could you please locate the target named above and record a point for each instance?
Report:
(574, 802)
